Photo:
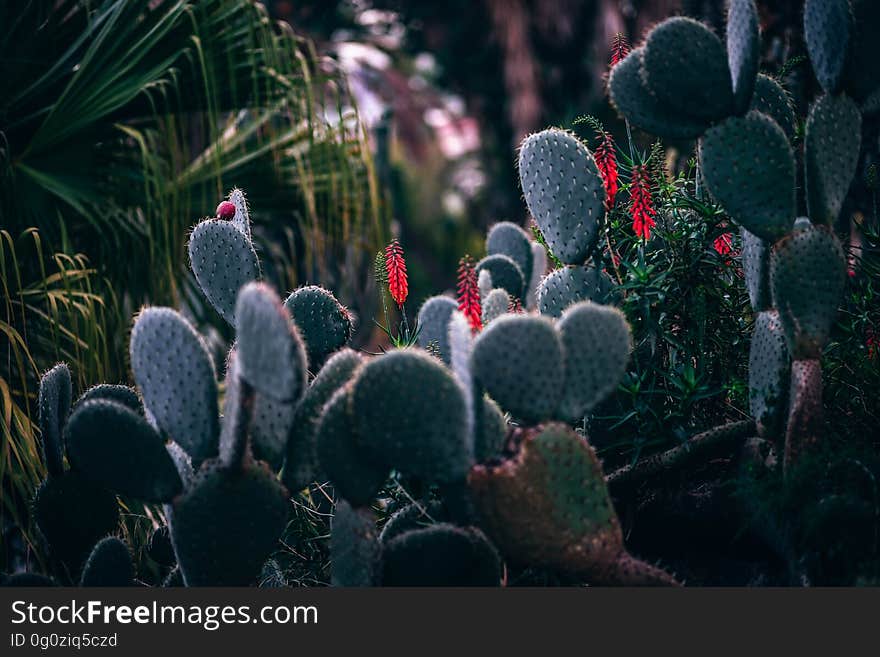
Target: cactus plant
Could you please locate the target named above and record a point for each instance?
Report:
(109, 564)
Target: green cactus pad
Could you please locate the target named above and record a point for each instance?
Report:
(771, 99)
(756, 268)
(355, 550)
(743, 50)
(301, 464)
(242, 218)
(831, 153)
(863, 65)
(236, 434)
(493, 432)
(768, 374)
(109, 564)
(120, 394)
(632, 99)
(827, 28)
(227, 524)
(412, 415)
(175, 373)
(596, 342)
(270, 353)
(416, 515)
(441, 555)
(566, 286)
(539, 269)
(751, 153)
(118, 449)
(518, 359)
(54, 405)
(324, 323)
(343, 460)
(72, 514)
(571, 525)
(484, 283)
(496, 304)
(160, 548)
(223, 259)
(433, 322)
(182, 462)
(505, 273)
(806, 415)
(807, 276)
(684, 65)
(508, 239)
(564, 192)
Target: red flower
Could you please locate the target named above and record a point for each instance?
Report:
(619, 49)
(606, 160)
(226, 210)
(395, 268)
(642, 209)
(469, 293)
(723, 244)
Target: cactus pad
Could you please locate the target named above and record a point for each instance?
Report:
(324, 323)
(596, 342)
(174, 371)
(493, 432)
(301, 464)
(72, 514)
(751, 153)
(118, 449)
(270, 353)
(566, 286)
(109, 564)
(804, 428)
(827, 28)
(756, 268)
(342, 459)
(433, 324)
(411, 414)
(863, 65)
(242, 219)
(440, 555)
(539, 268)
(505, 273)
(743, 50)
(54, 405)
(831, 153)
(508, 239)
(120, 394)
(160, 548)
(495, 304)
(631, 97)
(227, 523)
(807, 276)
(564, 193)
(768, 374)
(684, 66)
(771, 99)
(355, 550)
(519, 361)
(223, 259)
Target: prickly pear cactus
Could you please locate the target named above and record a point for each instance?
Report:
(566, 286)
(505, 273)
(109, 564)
(743, 51)
(572, 525)
(769, 367)
(564, 193)
(496, 304)
(355, 550)
(433, 321)
(325, 324)
(506, 238)
(827, 29)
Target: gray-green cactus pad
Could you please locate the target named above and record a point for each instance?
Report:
(771, 99)
(433, 322)
(769, 367)
(684, 65)
(564, 193)
(807, 276)
(596, 343)
(827, 28)
(632, 98)
(411, 415)
(751, 153)
(355, 550)
(109, 564)
(505, 274)
(508, 239)
(175, 373)
(518, 359)
(497, 303)
(566, 286)
(756, 268)
(743, 50)
(118, 449)
(323, 322)
(121, 394)
(223, 259)
(54, 405)
(831, 153)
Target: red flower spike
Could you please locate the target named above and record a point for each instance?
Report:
(723, 244)
(226, 210)
(395, 267)
(469, 293)
(642, 209)
(606, 161)
(515, 306)
(619, 49)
